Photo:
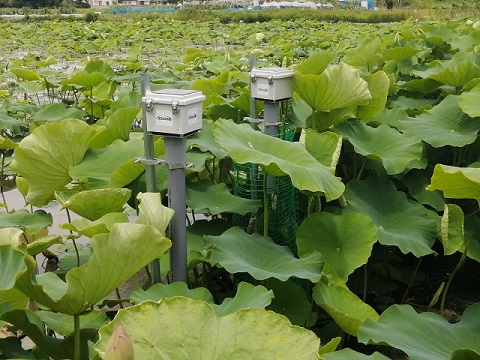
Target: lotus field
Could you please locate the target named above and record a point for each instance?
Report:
(383, 164)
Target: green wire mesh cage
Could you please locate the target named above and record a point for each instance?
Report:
(282, 200)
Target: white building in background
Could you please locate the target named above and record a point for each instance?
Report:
(104, 3)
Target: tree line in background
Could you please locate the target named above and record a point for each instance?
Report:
(38, 4)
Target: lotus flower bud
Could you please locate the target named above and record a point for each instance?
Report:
(119, 346)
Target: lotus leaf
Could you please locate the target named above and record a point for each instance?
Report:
(93, 204)
(344, 241)
(456, 182)
(63, 324)
(378, 85)
(31, 223)
(205, 142)
(57, 112)
(277, 157)
(348, 311)
(394, 149)
(452, 229)
(90, 228)
(423, 336)
(259, 256)
(348, 354)
(247, 333)
(338, 86)
(45, 156)
(325, 147)
(25, 74)
(315, 64)
(205, 197)
(469, 102)
(117, 126)
(399, 222)
(152, 212)
(116, 257)
(445, 124)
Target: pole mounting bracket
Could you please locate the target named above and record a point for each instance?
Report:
(171, 166)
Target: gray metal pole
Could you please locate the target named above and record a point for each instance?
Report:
(175, 157)
(271, 116)
(149, 169)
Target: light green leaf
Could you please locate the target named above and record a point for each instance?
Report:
(445, 124)
(100, 165)
(161, 291)
(349, 354)
(14, 298)
(205, 142)
(205, 197)
(425, 336)
(452, 233)
(345, 243)
(63, 324)
(325, 146)
(31, 223)
(117, 126)
(117, 256)
(338, 86)
(348, 311)
(152, 212)
(43, 243)
(12, 265)
(459, 75)
(45, 156)
(248, 296)
(277, 157)
(86, 79)
(93, 204)
(465, 354)
(394, 149)
(315, 64)
(91, 228)
(57, 112)
(456, 182)
(248, 333)
(399, 222)
(259, 256)
(469, 102)
(378, 85)
(366, 56)
(25, 74)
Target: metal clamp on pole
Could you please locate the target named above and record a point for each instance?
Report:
(171, 166)
(252, 120)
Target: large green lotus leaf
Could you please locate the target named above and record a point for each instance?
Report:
(117, 256)
(63, 324)
(445, 124)
(394, 149)
(209, 86)
(417, 182)
(206, 197)
(425, 336)
(117, 126)
(100, 164)
(7, 144)
(338, 86)
(200, 334)
(349, 354)
(277, 157)
(325, 147)
(30, 222)
(345, 243)
(315, 64)
(399, 53)
(259, 256)
(160, 291)
(292, 301)
(30, 87)
(93, 204)
(299, 113)
(91, 228)
(101, 67)
(399, 222)
(25, 74)
(248, 296)
(460, 75)
(472, 231)
(378, 85)
(12, 236)
(452, 234)
(57, 112)
(85, 79)
(152, 212)
(346, 308)
(205, 142)
(45, 157)
(366, 56)
(469, 102)
(12, 266)
(456, 182)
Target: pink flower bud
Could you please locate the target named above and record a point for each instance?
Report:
(119, 346)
